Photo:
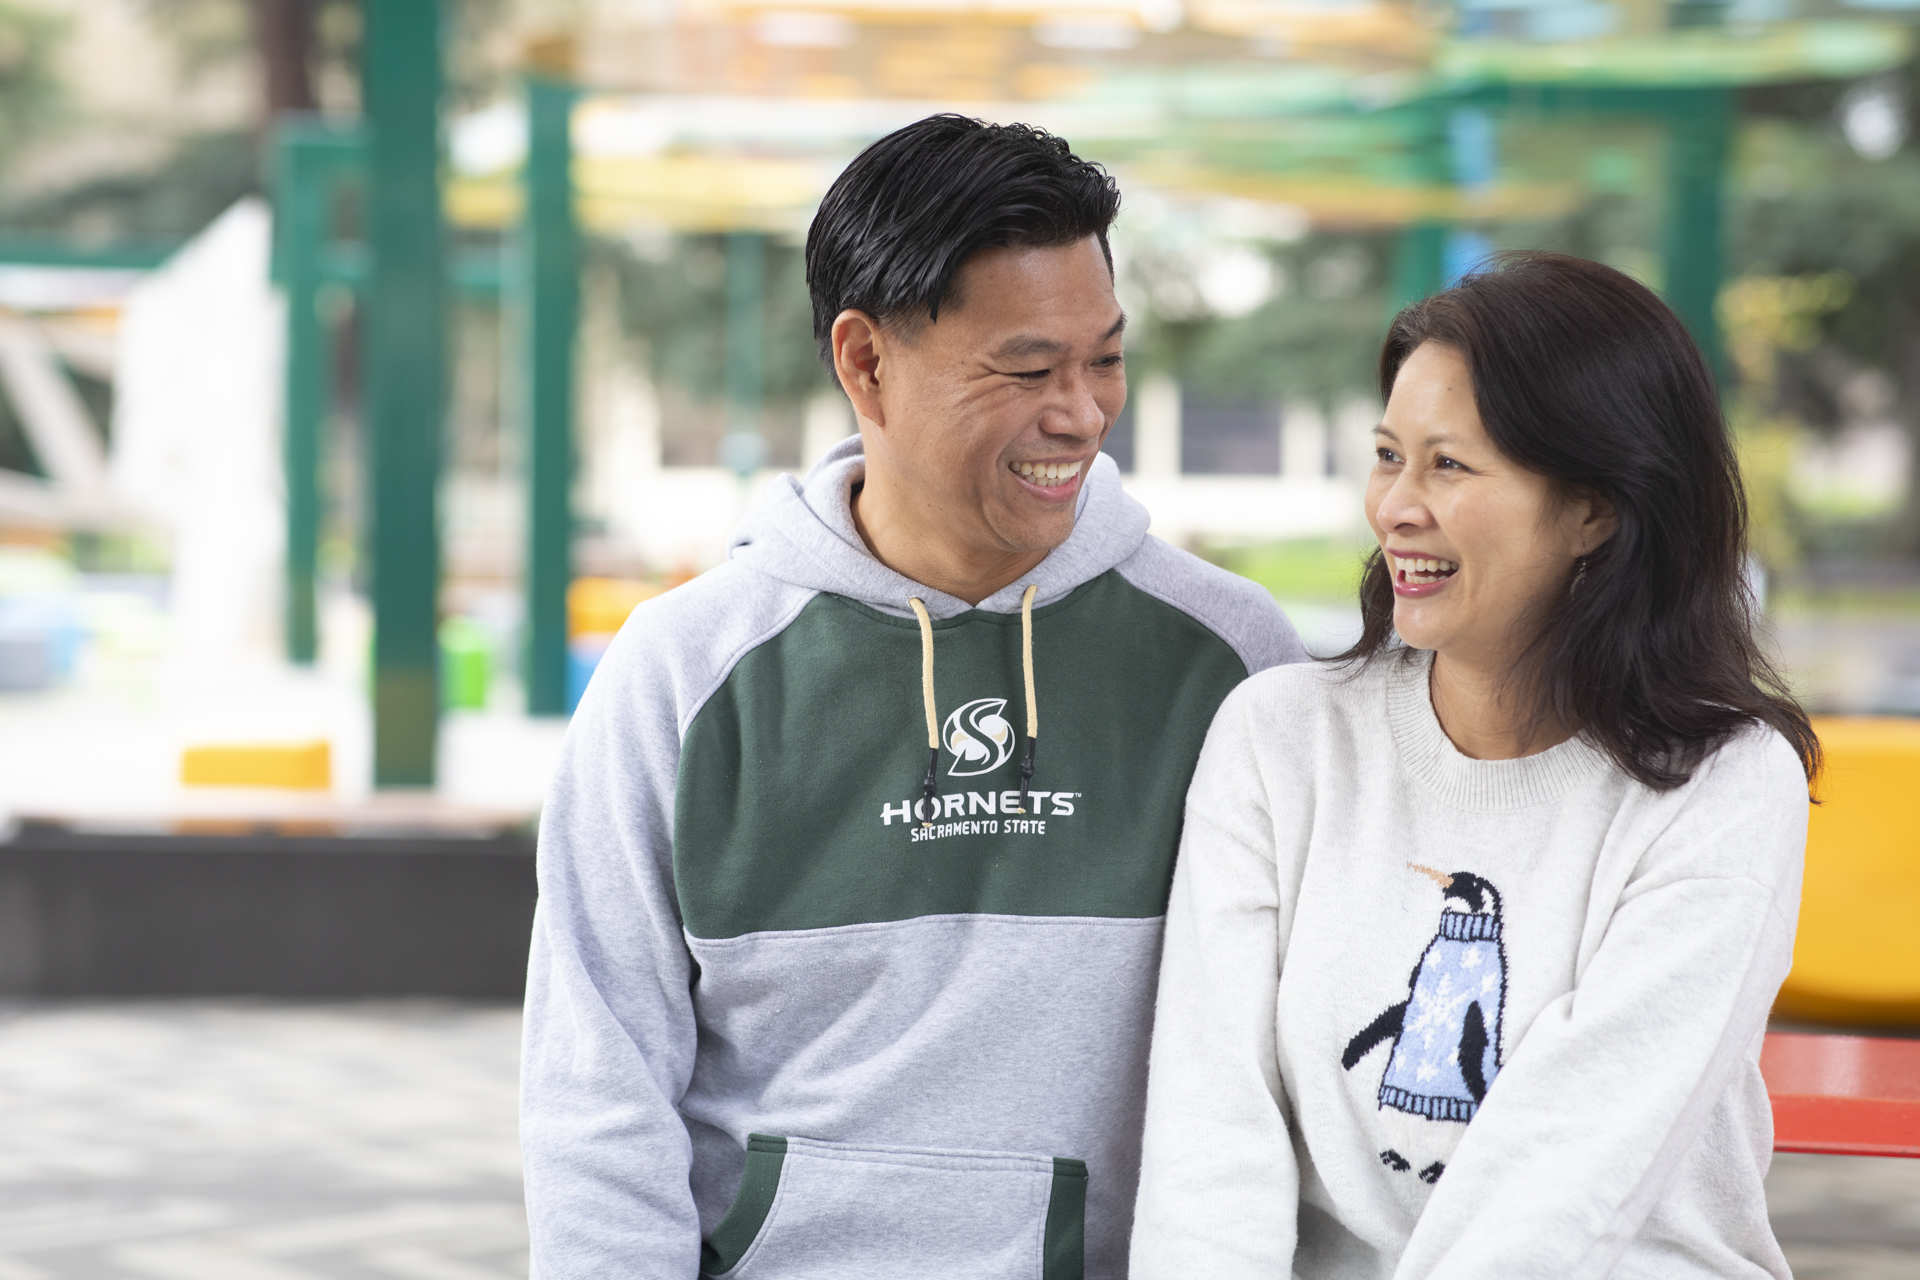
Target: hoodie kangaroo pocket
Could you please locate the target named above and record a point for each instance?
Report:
(810, 1210)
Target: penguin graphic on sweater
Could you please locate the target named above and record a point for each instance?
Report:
(1446, 1033)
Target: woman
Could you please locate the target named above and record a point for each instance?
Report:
(1472, 939)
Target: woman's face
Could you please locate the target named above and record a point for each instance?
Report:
(1477, 544)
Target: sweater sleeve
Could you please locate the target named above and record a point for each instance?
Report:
(1219, 1183)
(610, 1034)
(1611, 1084)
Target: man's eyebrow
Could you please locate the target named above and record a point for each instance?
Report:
(1025, 345)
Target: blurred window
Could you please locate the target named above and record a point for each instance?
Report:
(1228, 435)
(1119, 442)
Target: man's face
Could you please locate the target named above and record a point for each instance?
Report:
(989, 417)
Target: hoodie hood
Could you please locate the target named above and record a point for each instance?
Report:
(801, 532)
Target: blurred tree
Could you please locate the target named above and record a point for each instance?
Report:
(482, 64)
(284, 32)
(205, 174)
(30, 91)
(1315, 338)
(1767, 320)
(673, 296)
(307, 53)
(1814, 201)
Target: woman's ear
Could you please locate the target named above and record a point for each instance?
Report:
(1599, 519)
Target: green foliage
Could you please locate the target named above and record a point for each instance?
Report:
(30, 90)
(214, 33)
(205, 175)
(1811, 206)
(476, 74)
(673, 296)
(1317, 338)
(206, 33)
(1807, 206)
(1306, 570)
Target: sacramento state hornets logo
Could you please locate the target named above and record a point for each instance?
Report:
(979, 737)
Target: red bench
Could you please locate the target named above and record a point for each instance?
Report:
(1843, 1095)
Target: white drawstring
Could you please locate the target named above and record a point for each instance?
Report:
(931, 791)
(1033, 703)
(930, 788)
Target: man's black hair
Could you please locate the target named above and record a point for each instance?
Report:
(900, 220)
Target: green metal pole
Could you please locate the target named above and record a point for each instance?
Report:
(746, 293)
(309, 159)
(1700, 132)
(549, 313)
(405, 377)
(744, 448)
(1419, 266)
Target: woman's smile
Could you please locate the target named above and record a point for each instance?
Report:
(1416, 575)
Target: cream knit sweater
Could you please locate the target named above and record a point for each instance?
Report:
(1428, 1016)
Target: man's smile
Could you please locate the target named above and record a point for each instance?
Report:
(1051, 479)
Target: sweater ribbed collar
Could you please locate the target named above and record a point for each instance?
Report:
(1483, 785)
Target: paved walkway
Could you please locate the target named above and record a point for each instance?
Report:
(1847, 1217)
(229, 1140)
(235, 1141)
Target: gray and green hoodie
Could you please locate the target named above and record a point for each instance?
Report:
(787, 1016)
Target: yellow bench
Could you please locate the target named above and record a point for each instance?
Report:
(303, 766)
(1857, 957)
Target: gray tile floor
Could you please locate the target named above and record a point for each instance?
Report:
(203, 1140)
(228, 1140)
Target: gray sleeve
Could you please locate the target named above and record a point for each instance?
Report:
(1235, 609)
(610, 1035)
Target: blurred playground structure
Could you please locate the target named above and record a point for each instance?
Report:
(318, 508)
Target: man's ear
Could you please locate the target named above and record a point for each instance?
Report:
(859, 347)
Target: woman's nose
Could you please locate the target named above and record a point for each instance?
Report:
(1402, 506)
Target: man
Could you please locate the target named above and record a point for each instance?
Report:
(835, 973)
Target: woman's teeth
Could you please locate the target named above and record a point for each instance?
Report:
(1421, 573)
(1047, 474)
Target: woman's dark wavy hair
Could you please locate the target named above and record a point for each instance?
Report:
(1584, 376)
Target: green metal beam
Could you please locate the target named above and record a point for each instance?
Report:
(549, 274)
(23, 247)
(473, 271)
(405, 377)
(311, 160)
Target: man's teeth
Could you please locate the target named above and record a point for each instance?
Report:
(1422, 572)
(1047, 474)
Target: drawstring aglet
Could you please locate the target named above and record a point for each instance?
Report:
(930, 791)
(1026, 772)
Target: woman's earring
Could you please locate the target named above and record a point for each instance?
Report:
(1579, 576)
